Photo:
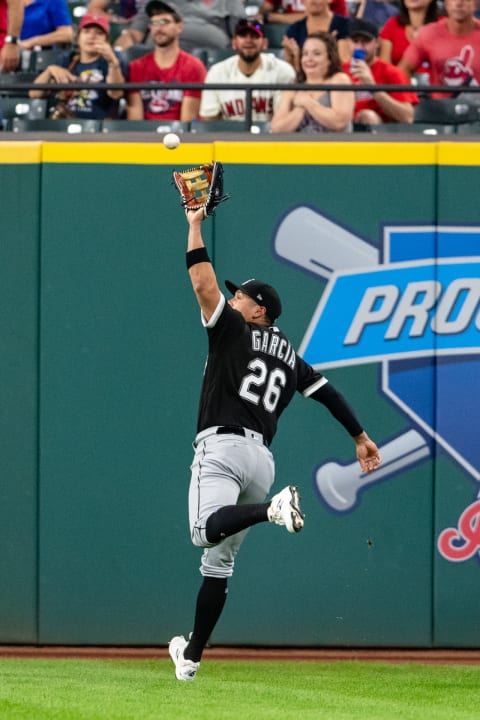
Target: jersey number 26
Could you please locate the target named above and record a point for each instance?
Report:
(268, 384)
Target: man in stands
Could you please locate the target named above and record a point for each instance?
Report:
(167, 64)
(250, 64)
(451, 46)
(374, 108)
(205, 24)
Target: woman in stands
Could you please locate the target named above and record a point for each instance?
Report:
(398, 32)
(319, 18)
(314, 111)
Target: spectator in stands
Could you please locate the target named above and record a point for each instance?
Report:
(287, 12)
(399, 31)
(319, 18)
(314, 111)
(251, 64)
(205, 25)
(377, 11)
(95, 62)
(451, 46)
(11, 21)
(46, 23)
(374, 108)
(167, 63)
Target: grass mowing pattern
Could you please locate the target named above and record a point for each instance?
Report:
(32, 689)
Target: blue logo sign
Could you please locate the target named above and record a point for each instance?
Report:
(413, 307)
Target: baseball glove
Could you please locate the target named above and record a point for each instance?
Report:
(201, 187)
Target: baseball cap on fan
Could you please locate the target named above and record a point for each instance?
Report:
(158, 7)
(364, 28)
(249, 25)
(91, 19)
(263, 294)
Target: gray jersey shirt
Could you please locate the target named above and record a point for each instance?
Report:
(204, 25)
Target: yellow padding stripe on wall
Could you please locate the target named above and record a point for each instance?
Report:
(328, 153)
(459, 153)
(269, 153)
(20, 153)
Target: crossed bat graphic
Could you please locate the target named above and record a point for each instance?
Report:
(327, 248)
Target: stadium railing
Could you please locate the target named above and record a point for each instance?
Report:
(440, 116)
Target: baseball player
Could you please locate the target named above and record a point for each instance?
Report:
(251, 374)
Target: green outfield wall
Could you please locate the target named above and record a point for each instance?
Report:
(102, 354)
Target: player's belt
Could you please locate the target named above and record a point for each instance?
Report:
(230, 430)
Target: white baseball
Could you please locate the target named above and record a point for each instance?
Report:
(171, 141)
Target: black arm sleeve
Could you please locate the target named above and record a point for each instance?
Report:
(339, 408)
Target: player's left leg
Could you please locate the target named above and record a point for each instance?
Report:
(228, 527)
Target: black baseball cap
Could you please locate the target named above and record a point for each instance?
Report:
(359, 26)
(263, 294)
(158, 7)
(246, 25)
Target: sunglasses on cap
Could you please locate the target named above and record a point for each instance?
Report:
(244, 26)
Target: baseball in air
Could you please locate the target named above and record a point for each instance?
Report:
(171, 141)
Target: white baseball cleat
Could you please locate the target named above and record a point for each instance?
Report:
(184, 669)
(285, 509)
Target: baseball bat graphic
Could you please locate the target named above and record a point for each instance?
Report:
(314, 243)
(340, 485)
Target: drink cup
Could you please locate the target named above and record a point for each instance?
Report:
(358, 54)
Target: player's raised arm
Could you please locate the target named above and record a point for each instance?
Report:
(202, 275)
(201, 190)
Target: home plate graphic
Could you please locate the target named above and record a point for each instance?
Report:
(414, 308)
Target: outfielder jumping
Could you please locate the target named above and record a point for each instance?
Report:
(251, 375)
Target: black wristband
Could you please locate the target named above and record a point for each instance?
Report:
(196, 256)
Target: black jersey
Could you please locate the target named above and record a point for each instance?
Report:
(251, 374)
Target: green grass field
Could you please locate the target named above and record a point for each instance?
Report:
(143, 690)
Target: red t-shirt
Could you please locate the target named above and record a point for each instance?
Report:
(338, 7)
(454, 59)
(3, 22)
(384, 74)
(397, 35)
(166, 104)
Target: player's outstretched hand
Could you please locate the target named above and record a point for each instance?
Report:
(195, 216)
(368, 454)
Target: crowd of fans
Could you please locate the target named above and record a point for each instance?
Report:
(324, 42)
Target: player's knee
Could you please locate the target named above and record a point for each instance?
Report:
(216, 570)
(199, 538)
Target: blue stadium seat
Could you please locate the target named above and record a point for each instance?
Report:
(24, 77)
(449, 111)
(15, 107)
(72, 126)
(274, 32)
(153, 126)
(412, 129)
(134, 52)
(215, 55)
(217, 126)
